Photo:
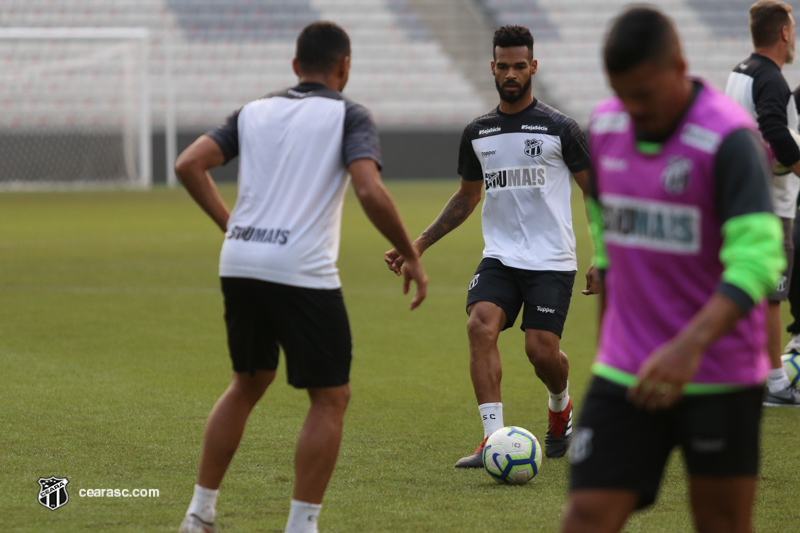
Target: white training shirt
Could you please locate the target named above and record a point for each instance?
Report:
(294, 148)
(759, 86)
(525, 161)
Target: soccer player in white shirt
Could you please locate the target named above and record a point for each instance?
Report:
(522, 154)
(278, 261)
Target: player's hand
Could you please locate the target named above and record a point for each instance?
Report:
(394, 261)
(660, 381)
(594, 281)
(413, 271)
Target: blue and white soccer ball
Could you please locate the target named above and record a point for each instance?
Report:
(512, 455)
(791, 364)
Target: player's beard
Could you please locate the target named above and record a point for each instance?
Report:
(512, 98)
(790, 55)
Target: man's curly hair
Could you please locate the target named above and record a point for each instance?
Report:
(508, 36)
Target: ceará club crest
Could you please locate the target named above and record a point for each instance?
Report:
(533, 147)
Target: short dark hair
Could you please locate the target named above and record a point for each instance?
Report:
(767, 17)
(639, 34)
(320, 46)
(508, 36)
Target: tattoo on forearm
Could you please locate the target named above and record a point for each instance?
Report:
(454, 213)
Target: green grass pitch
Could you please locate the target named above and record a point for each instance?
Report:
(112, 353)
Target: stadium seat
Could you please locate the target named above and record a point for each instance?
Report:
(569, 36)
(227, 52)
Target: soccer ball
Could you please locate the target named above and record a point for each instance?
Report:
(778, 168)
(791, 364)
(512, 455)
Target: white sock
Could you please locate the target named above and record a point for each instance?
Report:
(492, 417)
(303, 517)
(777, 380)
(558, 402)
(204, 503)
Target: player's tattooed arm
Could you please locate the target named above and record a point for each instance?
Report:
(457, 210)
(460, 206)
(454, 213)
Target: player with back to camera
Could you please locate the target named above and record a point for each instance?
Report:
(759, 86)
(684, 230)
(522, 153)
(278, 262)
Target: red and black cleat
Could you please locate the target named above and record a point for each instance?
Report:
(559, 432)
(473, 461)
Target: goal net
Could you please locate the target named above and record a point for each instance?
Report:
(74, 107)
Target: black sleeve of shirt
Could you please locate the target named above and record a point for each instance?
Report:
(574, 148)
(771, 96)
(469, 167)
(741, 186)
(741, 176)
(360, 135)
(227, 136)
(593, 193)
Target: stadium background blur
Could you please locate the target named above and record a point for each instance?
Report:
(421, 66)
(112, 347)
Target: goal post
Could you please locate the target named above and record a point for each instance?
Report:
(75, 107)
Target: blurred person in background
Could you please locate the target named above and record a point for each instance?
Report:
(759, 86)
(684, 230)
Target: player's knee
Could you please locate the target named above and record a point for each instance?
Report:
(588, 514)
(331, 398)
(710, 519)
(539, 354)
(706, 523)
(480, 329)
(252, 387)
(580, 517)
(344, 397)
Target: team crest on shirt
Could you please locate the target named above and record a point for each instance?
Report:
(491, 178)
(675, 177)
(533, 147)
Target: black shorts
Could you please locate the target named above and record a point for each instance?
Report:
(618, 446)
(546, 294)
(310, 324)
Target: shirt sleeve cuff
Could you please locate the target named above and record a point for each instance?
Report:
(228, 150)
(364, 155)
(737, 295)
